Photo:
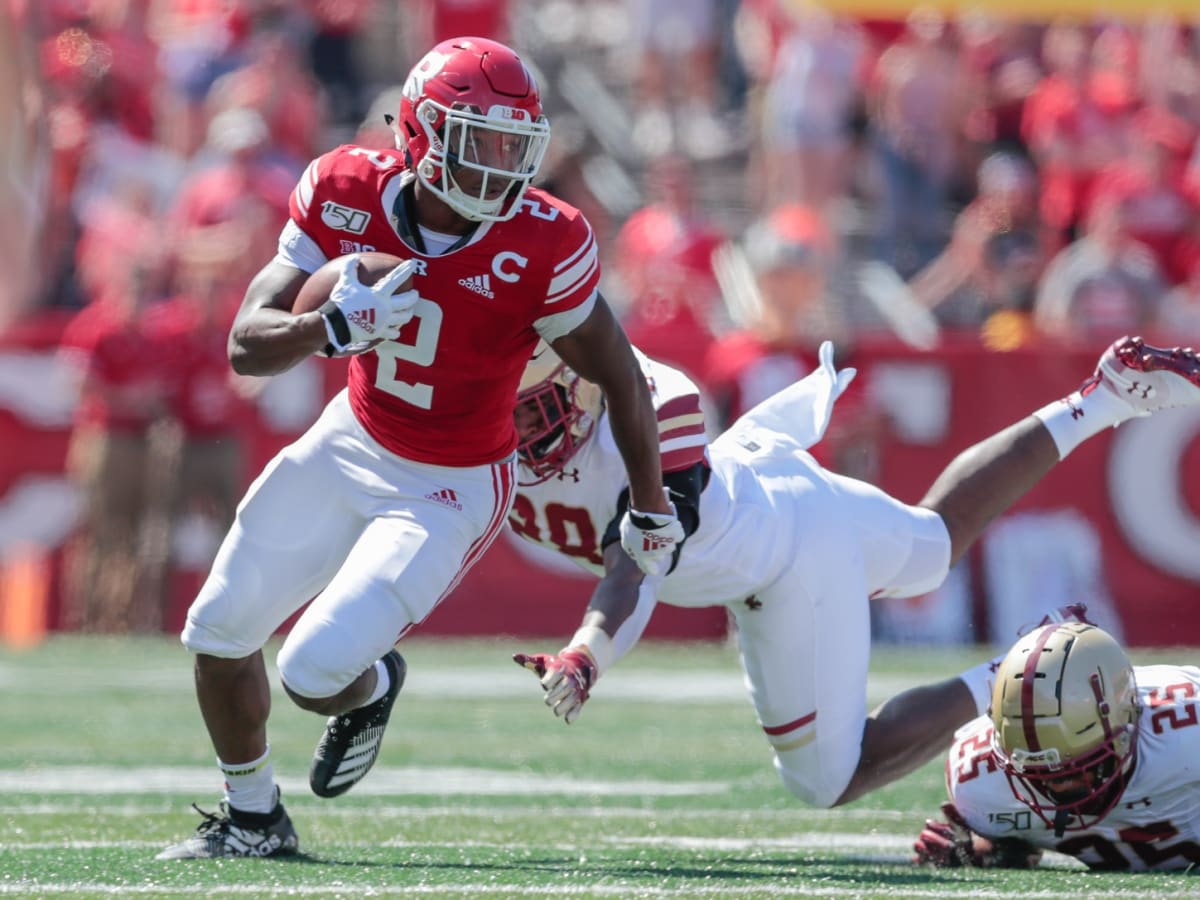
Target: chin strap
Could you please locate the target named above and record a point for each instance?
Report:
(1061, 818)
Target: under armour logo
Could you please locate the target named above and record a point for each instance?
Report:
(573, 475)
(752, 602)
(1144, 391)
(1145, 801)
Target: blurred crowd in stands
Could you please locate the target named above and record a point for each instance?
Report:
(762, 175)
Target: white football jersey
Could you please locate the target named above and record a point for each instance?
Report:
(1156, 824)
(791, 550)
(569, 513)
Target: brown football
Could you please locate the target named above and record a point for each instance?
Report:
(372, 265)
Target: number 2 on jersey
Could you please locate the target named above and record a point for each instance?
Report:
(416, 344)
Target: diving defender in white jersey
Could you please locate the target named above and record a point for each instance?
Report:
(794, 551)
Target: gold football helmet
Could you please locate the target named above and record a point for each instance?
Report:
(565, 408)
(1064, 714)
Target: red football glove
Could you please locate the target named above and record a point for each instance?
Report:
(566, 678)
(947, 844)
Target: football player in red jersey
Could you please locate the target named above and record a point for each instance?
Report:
(1081, 753)
(408, 475)
(794, 551)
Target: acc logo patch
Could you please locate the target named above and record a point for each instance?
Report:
(344, 218)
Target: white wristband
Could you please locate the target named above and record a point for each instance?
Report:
(598, 644)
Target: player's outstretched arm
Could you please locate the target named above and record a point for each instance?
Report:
(616, 617)
(950, 843)
(266, 338)
(599, 351)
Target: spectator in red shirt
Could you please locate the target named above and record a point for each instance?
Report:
(1149, 184)
(120, 397)
(206, 400)
(1075, 123)
(663, 255)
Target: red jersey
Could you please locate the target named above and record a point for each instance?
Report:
(444, 391)
(120, 387)
(195, 372)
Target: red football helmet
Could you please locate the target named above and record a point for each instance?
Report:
(1064, 714)
(472, 128)
(556, 412)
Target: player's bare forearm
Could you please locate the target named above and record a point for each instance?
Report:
(616, 596)
(600, 352)
(266, 337)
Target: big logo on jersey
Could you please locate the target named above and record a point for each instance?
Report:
(344, 218)
(1146, 480)
(431, 63)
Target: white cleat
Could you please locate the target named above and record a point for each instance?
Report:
(1148, 378)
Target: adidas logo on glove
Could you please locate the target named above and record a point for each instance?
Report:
(364, 319)
(653, 544)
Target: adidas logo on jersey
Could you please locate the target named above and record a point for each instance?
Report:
(446, 497)
(480, 284)
(364, 319)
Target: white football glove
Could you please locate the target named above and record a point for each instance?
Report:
(651, 538)
(357, 313)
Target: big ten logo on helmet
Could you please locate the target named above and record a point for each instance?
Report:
(344, 218)
(507, 112)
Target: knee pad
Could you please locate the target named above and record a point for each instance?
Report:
(809, 781)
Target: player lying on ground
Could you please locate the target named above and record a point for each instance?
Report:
(1081, 753)
(794, 551)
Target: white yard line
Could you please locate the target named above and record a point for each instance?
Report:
(385, 782)
(776, 889)
(633, 684)
(799, 814)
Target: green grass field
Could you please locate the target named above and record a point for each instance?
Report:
(479, 792)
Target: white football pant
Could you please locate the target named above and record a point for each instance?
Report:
(377, 540)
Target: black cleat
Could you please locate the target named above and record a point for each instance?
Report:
(350, 744)
(230, 832)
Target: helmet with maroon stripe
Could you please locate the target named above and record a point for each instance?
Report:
(1064, 715)
(472, 128)
(556, 412)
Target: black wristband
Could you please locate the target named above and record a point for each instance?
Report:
(341, 328)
